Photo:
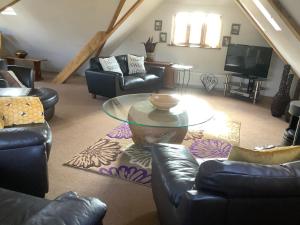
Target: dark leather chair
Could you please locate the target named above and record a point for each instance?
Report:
(68, 209)
(48, 96)
(222, 192)
(24, 152)
(111, 84)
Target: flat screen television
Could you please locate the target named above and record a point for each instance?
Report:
(248, 60)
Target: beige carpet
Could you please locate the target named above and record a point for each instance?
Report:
(79, 121)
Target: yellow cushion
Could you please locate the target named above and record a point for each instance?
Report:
(1, 121)
(272, 156)
(21, 110)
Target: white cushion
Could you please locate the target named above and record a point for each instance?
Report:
(136, 64)
(110, 64)
(13, 75)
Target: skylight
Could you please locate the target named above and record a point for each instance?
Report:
(268, 16)
(9, 11)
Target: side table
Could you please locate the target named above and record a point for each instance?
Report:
(36, 64)
(181, 72)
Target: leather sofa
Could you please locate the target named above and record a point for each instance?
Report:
(222, 192)
(68, 209)
(24, 152)
(111, 84)
(48, 97)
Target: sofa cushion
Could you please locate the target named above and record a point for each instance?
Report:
(271, 156)
(110, 64)
(136, 64)
(240, 179)
(131, 82)
(123, 63)
(176, 169)
(148, 78)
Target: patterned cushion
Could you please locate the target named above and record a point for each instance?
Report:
(11, 79)
(110, 64)
(136, 64)
(21, 110)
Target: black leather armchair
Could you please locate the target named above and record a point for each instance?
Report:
(221, 192)
(67, 209)
(24, 152)
(111, 84)
(48, 97)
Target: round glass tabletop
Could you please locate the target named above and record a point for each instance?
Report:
(136, 109)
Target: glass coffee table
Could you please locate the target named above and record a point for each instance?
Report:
(150, 125)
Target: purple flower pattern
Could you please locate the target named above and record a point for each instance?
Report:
(120, 132)
(210, 148)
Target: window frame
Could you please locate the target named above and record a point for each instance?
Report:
(203, 36)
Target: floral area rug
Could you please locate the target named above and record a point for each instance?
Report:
(115, 154)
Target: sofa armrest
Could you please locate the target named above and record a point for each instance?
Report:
(240, 179)
(3, 83)
(69, 209)
(23, 161)
(24, 74)
(175, 169)
(158, 71)
(103, 82)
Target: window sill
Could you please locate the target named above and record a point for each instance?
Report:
(193, 46)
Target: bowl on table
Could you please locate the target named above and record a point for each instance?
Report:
(163, 101)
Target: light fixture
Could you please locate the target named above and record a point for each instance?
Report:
(268, 16)
(9, 11)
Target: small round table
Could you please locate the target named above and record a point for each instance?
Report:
(150, 125)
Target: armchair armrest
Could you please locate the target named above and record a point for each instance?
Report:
(23, 161)
(24, 74)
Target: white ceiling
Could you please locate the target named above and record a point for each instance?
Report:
(293, 8)
(202, 2)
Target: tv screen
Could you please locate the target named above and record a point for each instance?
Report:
(248, 60)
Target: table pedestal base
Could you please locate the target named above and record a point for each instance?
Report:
(144, 136)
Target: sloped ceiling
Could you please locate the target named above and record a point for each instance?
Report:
(5, 3)
(59, 30)
(285, 41)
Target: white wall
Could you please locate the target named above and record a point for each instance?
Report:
(205, 60)
(58, 29)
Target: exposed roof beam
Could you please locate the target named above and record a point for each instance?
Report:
(90, 48)
(112, 22)
(7, 3)
(286, 17)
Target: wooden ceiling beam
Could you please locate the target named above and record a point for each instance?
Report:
(112, 22)
(90, 48)
(8, 4)
(286, 17)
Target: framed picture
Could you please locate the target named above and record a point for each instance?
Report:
(158, 25)
(163, 37)
(235, 29)
(226, 41)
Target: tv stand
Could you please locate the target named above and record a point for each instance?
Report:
(243, 85)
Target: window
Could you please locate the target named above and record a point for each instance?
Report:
(197, 30)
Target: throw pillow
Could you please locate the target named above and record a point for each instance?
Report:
(136, 64)
(110, 64)
(272, 156)
(21, 110)
(11, 79)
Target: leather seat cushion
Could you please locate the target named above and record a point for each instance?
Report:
(148, 78)
(240, 179)
(48, 97)
(177, 169)
(132, 82)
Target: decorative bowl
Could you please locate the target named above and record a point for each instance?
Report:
(21, 54)
(163, 101)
